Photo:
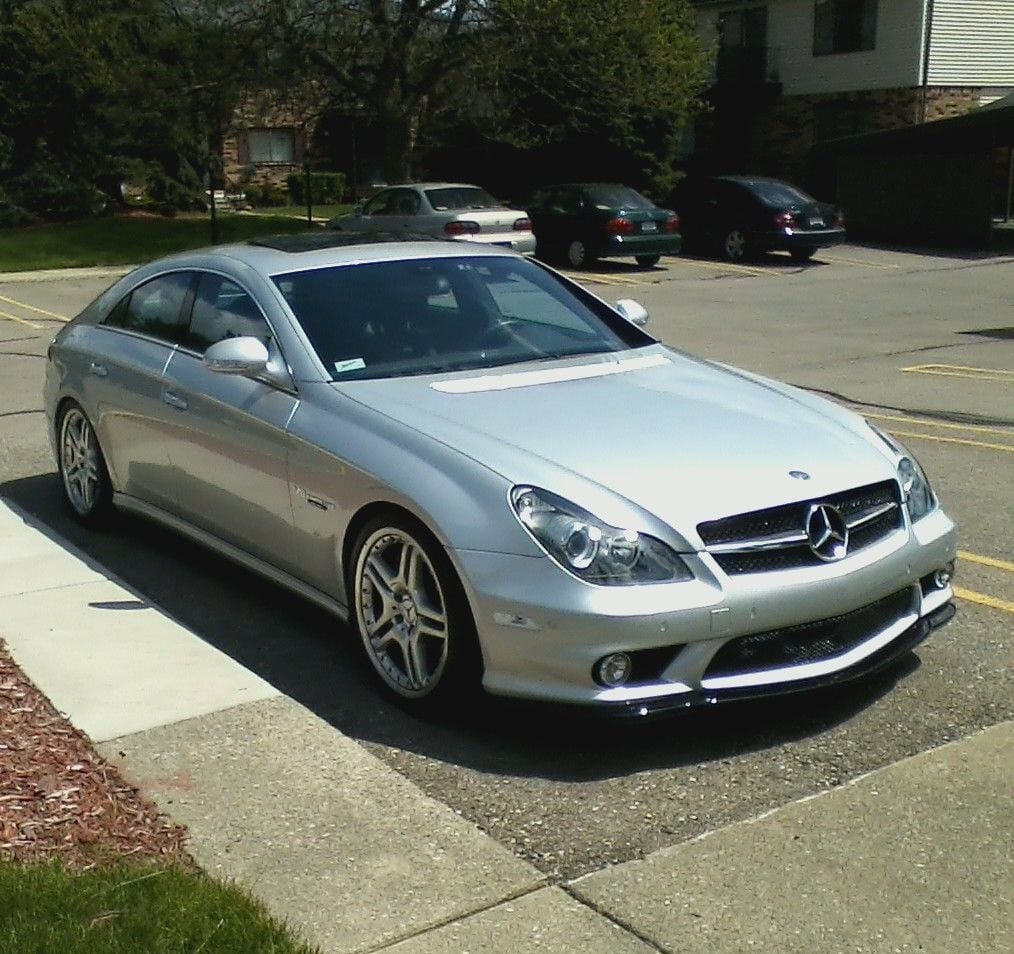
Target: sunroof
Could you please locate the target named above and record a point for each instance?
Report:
(315, 241)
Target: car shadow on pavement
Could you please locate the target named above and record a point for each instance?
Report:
(310, 656)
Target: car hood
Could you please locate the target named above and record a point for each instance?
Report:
(679, 437)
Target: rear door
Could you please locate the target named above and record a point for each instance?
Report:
(123, 383)
(228, 445)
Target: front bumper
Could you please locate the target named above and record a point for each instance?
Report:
(542, 631)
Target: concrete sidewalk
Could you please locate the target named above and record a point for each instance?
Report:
(915, 857)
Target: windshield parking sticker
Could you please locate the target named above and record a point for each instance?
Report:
(349, 364)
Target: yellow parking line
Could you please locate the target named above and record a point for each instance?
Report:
(852, 261)
(1007, 431)
(20, 321)
(954, 440)
(727, 267)
(957, 371)
(983, 599)
(986, 561)
(38, 311)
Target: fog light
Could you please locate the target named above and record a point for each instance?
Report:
(942, 577)
(613, 670)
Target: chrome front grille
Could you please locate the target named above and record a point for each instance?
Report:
(766, 541)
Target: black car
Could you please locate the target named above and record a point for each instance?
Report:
(577, 223)
(742, 216)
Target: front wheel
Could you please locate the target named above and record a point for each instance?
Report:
(83, 471)
(413, 617)
(647, 261)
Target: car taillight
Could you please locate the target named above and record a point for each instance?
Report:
(522, 225)
(672, 224)
(461, 228)
(620, 227)
(784, 220)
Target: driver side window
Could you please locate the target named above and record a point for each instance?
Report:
(380, 204)
(223, 310)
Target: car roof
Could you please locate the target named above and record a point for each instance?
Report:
(436, 185)
(281, 254)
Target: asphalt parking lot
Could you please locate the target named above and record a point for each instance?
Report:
(923, 344)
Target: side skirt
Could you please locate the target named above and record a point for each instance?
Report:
(244, 559)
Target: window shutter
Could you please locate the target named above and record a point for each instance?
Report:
(243, 147)
(298, 146)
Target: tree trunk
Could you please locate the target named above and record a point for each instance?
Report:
(399, 137)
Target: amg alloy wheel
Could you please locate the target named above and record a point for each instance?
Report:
(411, 614)
(82, 467)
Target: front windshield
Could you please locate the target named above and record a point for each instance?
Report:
(389, 319)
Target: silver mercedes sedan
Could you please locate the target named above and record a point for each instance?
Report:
(497, 478)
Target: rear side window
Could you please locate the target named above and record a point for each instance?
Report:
(222, 309)
(155, 308)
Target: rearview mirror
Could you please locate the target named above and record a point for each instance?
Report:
(633, 311)
(237, 356)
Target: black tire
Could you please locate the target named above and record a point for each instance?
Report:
(802, 254)
(647, 261)
(82, 466)
(578, 255)
(426, 657)
(735, 245)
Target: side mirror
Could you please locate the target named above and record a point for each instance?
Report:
(633, 311)
(237, 356)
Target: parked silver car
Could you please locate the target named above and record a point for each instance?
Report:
(497, 477)
(443, 209)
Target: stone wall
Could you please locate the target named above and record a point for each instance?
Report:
(264, 112)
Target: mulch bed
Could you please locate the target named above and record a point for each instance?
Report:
(58, 798)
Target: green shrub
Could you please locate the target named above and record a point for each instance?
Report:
(326, 188)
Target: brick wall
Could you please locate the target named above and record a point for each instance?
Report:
(792, 124)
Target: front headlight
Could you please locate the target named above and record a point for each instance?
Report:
(592, 550)
(914, 483)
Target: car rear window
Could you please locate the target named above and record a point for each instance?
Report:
(618, 197)
(778, 193)
(456, 198)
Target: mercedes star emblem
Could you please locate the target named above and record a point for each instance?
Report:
(826, 533)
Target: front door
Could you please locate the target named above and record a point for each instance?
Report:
(228, 448)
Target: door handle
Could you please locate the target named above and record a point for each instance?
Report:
(174, 400)
(99, 370)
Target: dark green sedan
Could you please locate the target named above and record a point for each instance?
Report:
(580, 222)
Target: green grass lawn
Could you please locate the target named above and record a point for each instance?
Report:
(127, 241)
(299, 211)
(127, 908)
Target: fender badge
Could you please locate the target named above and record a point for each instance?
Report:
(799, 474)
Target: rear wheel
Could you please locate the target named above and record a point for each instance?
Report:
(735, 245)
(647, 261)
(802, 254)
(578, 254)
(83, 470)
(413, 616)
